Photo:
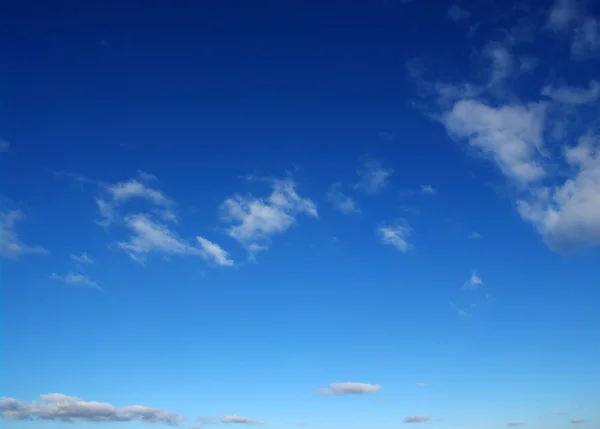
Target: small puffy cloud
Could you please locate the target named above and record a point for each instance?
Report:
(420, 384)
(586, 41)
(76, 280)
(563, 14)
(428, 190)
(373, 177)
(56, 406)
(576, 420)
(458, 13)
(350, 388)
(253, 219)
(573, 95)
(515, 424)
(474, 281)
(342, 202)
(502, 61)
(239, 419)
(416, 419)
(4, 145)
(474, 235)
(213, 253)
(82, 259)
(148, 236)
(395, 235)
(11, 247)
(509, 135)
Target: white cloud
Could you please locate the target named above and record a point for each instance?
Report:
(255, 219)
(213, 253)
(428, 189)
(239, 419)
(350, 388)
(4, 145)
(568, 215)
(502, 62)
(82, 259)
(573, 95)
(76, 280)
(56, 406)
(420, 384)
(509, 135)
(576, 420)
(342, 202)
(149, 236)
(474, 235)
(373, 177)
(11, 246)
(563, 14)
(416, 419)
(474, 282)
(515, 424)
(395, 235)
(458, 13)
(586, 39)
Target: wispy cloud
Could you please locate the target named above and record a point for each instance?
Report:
(254, 221)
(474, 282)
(396, 235)
(11, 246)
(576, 420)
(458, 13)
(428, 190)
(59, 407)
(515, 424)
(373, 177)
(239, 420)
(213, 253)
(340, 201)
(416, 419)
(82, 259)
(474, 235)
(350, 388)
(76, 280)
(4, 146)
(573, 95)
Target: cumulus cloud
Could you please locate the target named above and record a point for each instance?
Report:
(213, 253)
(474, 235)
(340, 201)
(373, 177)
(396, 235)
(239, 419)
(416, 419)
(76, 280)
(56, 406)
(82, 259)
(253, 220)
(11, 246)
(350, 388)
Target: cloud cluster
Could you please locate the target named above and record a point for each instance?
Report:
(350, 388)
(56, 406)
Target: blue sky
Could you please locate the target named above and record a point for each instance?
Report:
(329, 215)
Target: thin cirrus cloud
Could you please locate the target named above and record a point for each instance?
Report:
(82, 259)
(213, 253)
(76, 279)
(515, 424)
(341, 201)
(11, 246)
(577, 420)
(396, 235)
(60, 407)
(373, 177)
(349, 388)
(239, 420)
(416, 419)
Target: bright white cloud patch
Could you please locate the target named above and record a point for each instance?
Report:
(395, 235)
(82, 259)
(416, 419)
(509, 135)
(239, 419)
(573, 95)
(342, 202)
(56, 406)
(213, 253)
(373, 177)
(148, 236)
(254, 220)
(76, 280)
(350, 388)
(11, 246)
